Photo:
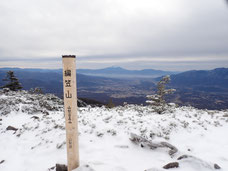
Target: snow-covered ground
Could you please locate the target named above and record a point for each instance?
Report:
(39, 142)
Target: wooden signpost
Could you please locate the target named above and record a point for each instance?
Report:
(70, 110)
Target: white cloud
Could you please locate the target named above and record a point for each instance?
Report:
(135, 30)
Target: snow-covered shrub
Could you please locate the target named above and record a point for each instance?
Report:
(157, 101)
(36, 90)
(110, 104)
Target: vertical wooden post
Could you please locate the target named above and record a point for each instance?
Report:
(70, 110)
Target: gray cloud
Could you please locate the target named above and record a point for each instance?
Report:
(125, 33)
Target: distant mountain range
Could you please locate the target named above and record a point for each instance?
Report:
(216, 79)
(118, 72)
(202, 89)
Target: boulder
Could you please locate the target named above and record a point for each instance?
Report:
(197, 161)
(217, 166)
(35, 117)
(183, 157)
(61, 167)
(11, 128)
(171, 165)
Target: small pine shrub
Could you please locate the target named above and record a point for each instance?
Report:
(12, 82)
(157, 101)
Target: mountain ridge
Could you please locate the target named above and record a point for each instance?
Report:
(121, 72)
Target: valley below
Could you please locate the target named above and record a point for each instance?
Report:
(201, 89)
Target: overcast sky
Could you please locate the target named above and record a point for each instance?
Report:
(135, 34)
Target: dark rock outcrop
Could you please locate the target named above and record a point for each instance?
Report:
(171, 165)
(216, 166)
(35, 117)
(182, 157)
(11, 128)
(61, 167)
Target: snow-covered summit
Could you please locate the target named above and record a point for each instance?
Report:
(35, 139)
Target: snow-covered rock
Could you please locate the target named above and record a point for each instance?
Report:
(104, 145)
